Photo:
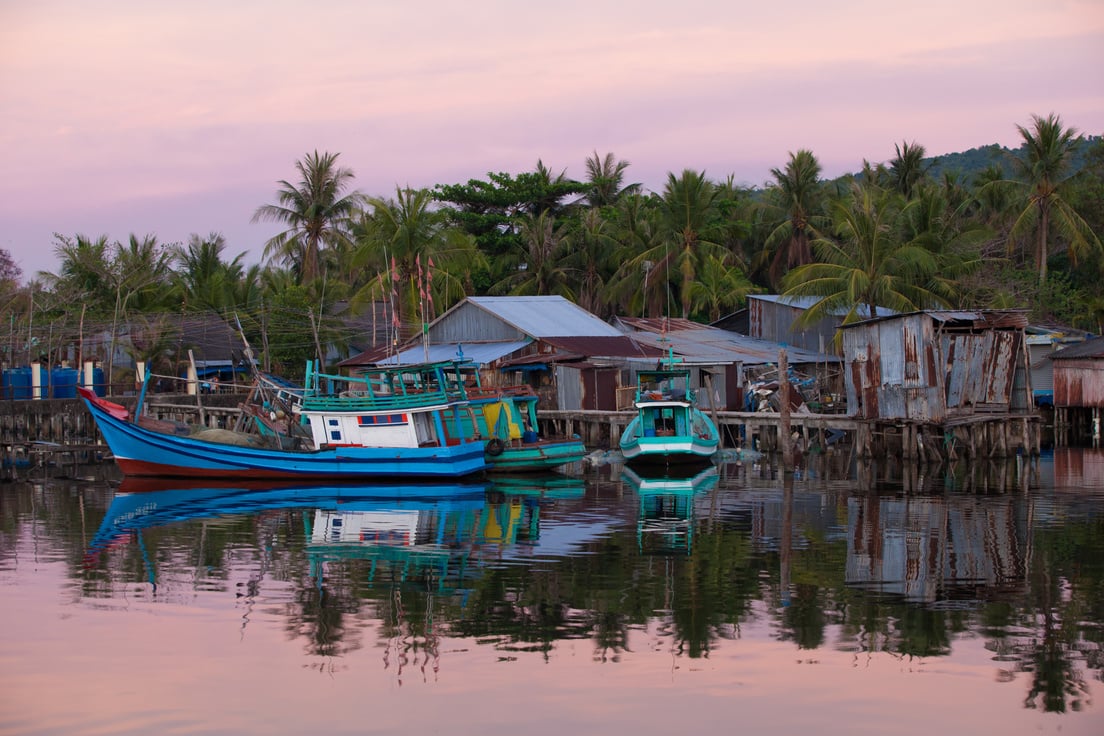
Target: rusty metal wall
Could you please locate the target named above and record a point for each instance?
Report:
(1079, 383)
(903, 369)
(892, 370)
(981, 369)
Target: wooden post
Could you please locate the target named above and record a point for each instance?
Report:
(193, 385)
(784, 411)
(713, 407)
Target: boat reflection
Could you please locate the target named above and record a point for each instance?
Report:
(418, 525)
(666, 523)
(541, 486)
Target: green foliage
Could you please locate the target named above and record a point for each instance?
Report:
(964, 230)
(288, 345)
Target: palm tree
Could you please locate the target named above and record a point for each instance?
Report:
(605, 177)
(1043, 178)
(639, 234)
(412, 256)
(316, 211)
(689, 217)
(906, 169)
(796, 195)
(83, 273)
(866, 264)
(930, 221)
(207, 281)
(543, 271)
(719, 288)
(591, 260)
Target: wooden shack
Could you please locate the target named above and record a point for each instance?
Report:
(942, 382)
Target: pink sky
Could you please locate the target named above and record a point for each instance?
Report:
(136, 117)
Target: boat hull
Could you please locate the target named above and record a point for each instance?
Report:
(539, 456)
(641, 448)
(141, 452)
(669, 451)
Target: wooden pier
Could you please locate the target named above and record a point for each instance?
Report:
(56, 430)
(988, 436)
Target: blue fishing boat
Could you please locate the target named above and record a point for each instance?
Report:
(394, 423)
(669, 427)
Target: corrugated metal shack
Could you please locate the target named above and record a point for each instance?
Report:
(1079, 392)
(935, 382)
(1042, 342)
(772, 317)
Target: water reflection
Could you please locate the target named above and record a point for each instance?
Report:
(667, 508)
(872, 563)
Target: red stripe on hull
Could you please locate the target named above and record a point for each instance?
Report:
(155, 470)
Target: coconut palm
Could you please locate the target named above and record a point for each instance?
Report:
(1043, 178)
(907, 169)
(411, 256)
(794, 206)
(605, 178)
(544, 270)
(82, 276)
(865, 263)
(316, 210)
(719, 288)
(639, 234)
(930, 221)
(592, 259)
(689, 218)
(208, 282)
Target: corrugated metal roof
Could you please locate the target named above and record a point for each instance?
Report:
(621, 346)
(977, 319)
(807, 302)
(478, 353)
(661, 324)
(704, 344)
(545, 316)
(1089, 349)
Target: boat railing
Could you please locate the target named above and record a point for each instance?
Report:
(377, 402)
(666, 394)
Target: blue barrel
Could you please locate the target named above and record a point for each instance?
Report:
(63, 382)
(17, 383)
(98, 384)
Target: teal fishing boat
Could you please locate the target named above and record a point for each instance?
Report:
(669, 427)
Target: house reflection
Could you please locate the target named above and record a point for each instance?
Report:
(929, 549)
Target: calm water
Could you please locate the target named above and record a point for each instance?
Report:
(842, 602)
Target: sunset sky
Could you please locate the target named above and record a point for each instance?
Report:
(122, 117)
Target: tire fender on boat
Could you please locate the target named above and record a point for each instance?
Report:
(495, 446)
